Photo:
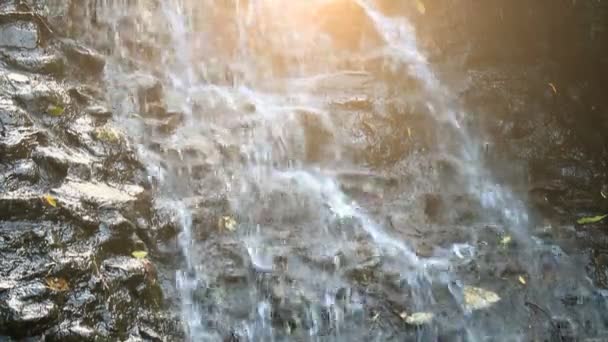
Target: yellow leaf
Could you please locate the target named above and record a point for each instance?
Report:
(50, 200)
(522, 280)
(420, 7)
(553, 87)
(476, 298)
(139, 254)
(419, 318)
(506, 240)
(55, 110)
(228, 223)
(57, 284)
(593, 219)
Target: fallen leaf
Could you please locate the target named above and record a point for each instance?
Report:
(476, 298)
(553, 88)
(592, 219)
(50, 200)
(55, 110)
(420, 7)
(522, 280)
(139, 254)
(57, 284)
(506, 240)
(228, 223)
(419, 318)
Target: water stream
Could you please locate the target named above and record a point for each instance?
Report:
(290, 229)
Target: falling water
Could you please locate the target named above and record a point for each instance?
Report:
(251, 82)
(401, 40)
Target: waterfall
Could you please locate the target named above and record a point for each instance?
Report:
(274, 245)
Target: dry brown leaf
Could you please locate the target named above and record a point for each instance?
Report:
(57, 284)
(553, 87)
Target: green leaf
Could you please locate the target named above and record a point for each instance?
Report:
(55, 110)
(592, 219)
(139, 254)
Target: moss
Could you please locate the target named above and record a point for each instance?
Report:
(108, 135)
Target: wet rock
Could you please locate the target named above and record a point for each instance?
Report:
(81, 130)
(21, 204)
(22, 173)
(19, 34)
(71, 261)
(167, 125)
(88, 60)
(18, 143)
(11, 115)
(149, 91)
(49, 148)
(24, 311)
(73, 331)
(564, 330)
(59, 163)
(85, 94)
(38, 61)
(123, 269)
(98, 194)
(98, 112)
(37, 96)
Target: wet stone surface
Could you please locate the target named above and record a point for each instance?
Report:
(67, 272)
(71, 193)
(20, 35)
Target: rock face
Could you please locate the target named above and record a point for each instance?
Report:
(19, 34)
(71, 193)
(75, 203)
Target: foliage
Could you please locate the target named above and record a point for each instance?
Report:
(140, 255)
(592, 219)
(50, 200)
(55, 110)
